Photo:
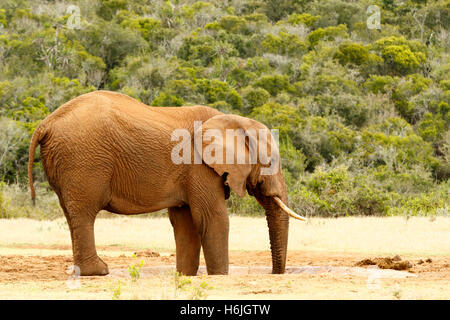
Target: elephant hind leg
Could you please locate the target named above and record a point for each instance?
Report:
(81, 195)
(81, 225)
(187, 240)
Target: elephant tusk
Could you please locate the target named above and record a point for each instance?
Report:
(286, 209)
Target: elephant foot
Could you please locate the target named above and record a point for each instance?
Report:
(93, 267)
(217, 272)
(188, 271)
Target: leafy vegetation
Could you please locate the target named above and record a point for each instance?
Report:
(135, 270)
(363, 114)
(194, 291)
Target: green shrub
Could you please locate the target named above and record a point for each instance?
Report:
(370, 106)
(335, 192)
(4, 204)
(379, 84)
(254, 97)
(200, 50)
(247, 206)
(273, 84)
(405, 150)
(352, 53)
(214, 90)
(400, 56)
(350, 108)
(284, 44)
(328, 34)
(403, 93)
(108, 8)
(302, 18)
(15, 202)
(276, 116)
(167, 100)
(431, 128)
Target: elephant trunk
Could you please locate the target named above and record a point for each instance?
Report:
(277, 216)
(278, 223)
(273, 198)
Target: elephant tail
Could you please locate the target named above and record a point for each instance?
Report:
(35, 139)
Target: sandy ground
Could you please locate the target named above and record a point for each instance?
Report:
(35, 256)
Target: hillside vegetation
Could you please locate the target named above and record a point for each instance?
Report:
(362, 113)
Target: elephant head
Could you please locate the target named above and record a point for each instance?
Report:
(244, 152)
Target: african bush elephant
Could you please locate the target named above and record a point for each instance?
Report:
(105, 150)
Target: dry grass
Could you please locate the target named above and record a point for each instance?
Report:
(233, 287)
(387, 235)
(228, 287)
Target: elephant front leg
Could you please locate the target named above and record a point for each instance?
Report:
(213, 223)
(215, 243)
(187, 240)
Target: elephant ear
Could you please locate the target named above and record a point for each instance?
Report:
(227, 143)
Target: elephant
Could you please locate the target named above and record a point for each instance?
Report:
(107, 151)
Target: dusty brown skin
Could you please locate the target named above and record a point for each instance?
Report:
(105, 150)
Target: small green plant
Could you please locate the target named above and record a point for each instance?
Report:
(195, 292)
(135, 270)
(397, 294)
(117, 291)
(181, 281)
(199, 292)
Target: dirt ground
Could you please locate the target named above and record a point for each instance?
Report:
(34, 276)
(39, 271)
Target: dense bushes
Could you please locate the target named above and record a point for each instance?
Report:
(363, 114)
